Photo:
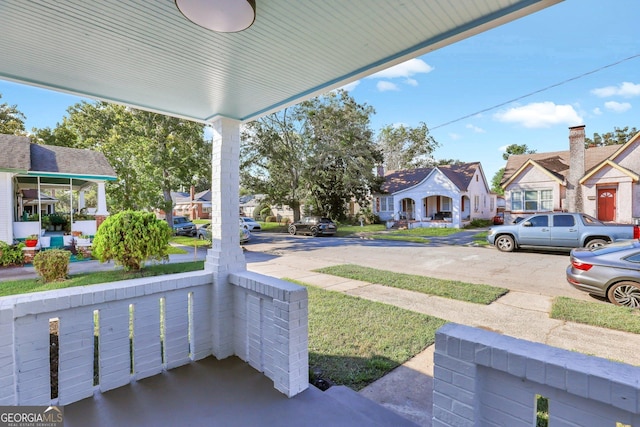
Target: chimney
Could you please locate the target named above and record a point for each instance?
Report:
(192, 192)
(380, 170)
(576, 168)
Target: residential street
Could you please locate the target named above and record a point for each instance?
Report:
(540, 273)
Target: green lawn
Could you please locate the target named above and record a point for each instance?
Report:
(15, 287)
(479, 294)
(596, 314)
(354, 342)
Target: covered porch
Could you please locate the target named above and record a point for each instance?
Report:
(434, 211)
(57, 206)
(151, 56)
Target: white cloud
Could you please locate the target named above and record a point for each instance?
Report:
(384, 86)
(411, 82)
(625, 89)
(540, 115)
(350, 86)
(406, 69)
(617, 107)
(476, 129)
(454, 136)
(597, 111)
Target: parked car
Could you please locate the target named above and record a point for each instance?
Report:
(611, 271)
(313, 225)
(183, 227)
(251, 223)
(560, 230)
(204, 232)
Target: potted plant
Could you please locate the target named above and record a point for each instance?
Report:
(31, 241)
(58, 221)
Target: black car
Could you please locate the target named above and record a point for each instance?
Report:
(183, 227)
(313, 225)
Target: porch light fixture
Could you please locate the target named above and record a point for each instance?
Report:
(224, 16)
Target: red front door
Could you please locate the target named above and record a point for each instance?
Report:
(607, 204)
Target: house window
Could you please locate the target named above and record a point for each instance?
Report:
(386, 204)
(476, 203)
(445, 204)
(532, 200)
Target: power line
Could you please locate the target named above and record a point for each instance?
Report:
(537, 91)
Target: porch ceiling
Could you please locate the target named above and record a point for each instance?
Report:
(146, 54)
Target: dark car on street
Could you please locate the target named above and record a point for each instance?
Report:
(183, 227)
(611, 271)
(313, 225)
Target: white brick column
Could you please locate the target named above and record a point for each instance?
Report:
(226, 255)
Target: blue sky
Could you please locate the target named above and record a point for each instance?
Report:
(578, 60)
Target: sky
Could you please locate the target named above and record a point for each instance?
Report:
(525, 82)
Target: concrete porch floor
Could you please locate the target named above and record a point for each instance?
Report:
(225, 393)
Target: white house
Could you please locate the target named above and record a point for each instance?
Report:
(442, 196)
(32, 170)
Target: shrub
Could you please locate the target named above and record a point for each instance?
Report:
(131, 237)
(11, 254)
(480, 223)
(271, 219)
(52, 265)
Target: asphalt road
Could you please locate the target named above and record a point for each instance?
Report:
(541, 273)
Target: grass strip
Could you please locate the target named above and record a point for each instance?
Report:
(479, 294)
(354, 341)
(609, 316)
(15, 287)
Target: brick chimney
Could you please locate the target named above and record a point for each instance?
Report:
(576, 168)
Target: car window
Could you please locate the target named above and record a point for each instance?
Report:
(589, 220)
(634, 258)
(539, 221)
(179, 220)
(564, 221)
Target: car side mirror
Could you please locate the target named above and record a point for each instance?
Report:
(526, 224)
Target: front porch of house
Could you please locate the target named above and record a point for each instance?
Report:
(432, 211)
(57, 208)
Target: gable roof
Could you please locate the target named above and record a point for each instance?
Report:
(460, 175)
(35, 159)
(183, 197)
(555, 163)
(19, 154)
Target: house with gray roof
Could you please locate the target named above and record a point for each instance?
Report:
(599, 181)
(34, 177)
(441, 196)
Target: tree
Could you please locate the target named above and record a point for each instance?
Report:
(319, 152)
(129, 238)
(272, 157)
(516, 149)
(449, 162)
(496, 182)
(152, 154)
(343, 156)
(11, 119)
(406, 147)
(618, 136)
